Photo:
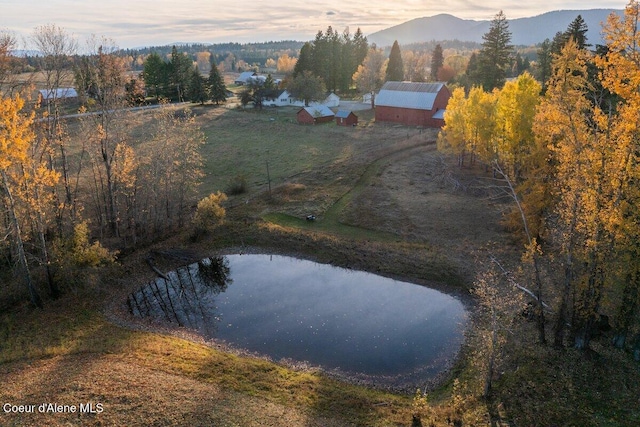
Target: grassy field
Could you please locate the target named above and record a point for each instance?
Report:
(387, 202)
(243, 142)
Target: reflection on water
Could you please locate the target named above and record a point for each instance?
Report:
(352, 321)
(183, 298)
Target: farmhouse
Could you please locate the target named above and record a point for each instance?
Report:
(414, 104)
(346, 118)
(283, 99)
(314, 115)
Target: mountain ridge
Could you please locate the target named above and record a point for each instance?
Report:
(525, 31)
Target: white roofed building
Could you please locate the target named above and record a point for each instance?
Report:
(61, 93)
(244, 78)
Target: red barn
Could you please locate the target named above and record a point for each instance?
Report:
(414, 104)
(314, 115)
(346, 118)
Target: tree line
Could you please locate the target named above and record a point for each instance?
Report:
(566, 152)
(333, 57)
(252, 54)
(179, 79)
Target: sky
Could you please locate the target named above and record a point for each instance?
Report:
(138, 23)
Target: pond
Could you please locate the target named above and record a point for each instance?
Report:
(352, 323)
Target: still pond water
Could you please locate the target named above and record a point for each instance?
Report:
(354, 323)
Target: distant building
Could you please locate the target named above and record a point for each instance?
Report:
(413, 104)
(61, 94)
(245, 77)
(346, 118)
(283, 99)
(315, 115)
(331, 101)
(256, 80)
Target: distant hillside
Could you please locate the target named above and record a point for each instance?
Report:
(525, 31)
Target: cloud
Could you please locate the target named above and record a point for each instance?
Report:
(151, 22)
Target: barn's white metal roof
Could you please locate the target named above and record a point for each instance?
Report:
(419, 96)
(244, 76)
(319, 111)
(59, 93)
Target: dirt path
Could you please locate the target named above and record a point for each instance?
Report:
(410, 193)
(331, 220)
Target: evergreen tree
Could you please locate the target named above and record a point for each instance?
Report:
(558, 42)
(495, 56)
(320, 55)
(197, 90)
(217, 88)
(154, 75)
(347, 61)
(437, 61)
(395, 68)
(334, 56)
(269, 83)
(268, 90)
(304, 60)
(360, 48)
(577, 31)
(470, 76)
(180, 72)
(518, 65)
(544, 63)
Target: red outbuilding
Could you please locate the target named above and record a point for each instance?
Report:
(414, 104)
(315, 115)
(346, 118)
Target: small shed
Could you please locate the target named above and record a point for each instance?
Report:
(346, 118)
(315, 115)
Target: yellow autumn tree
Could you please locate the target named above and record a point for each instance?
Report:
(479, 119)
(560, 120)
(452, 138)
(621, 77)
(515, 109)
(210, 213)
(16, 138)
(285, 64)
(578, 134)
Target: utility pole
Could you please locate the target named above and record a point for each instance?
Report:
(268, 177)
